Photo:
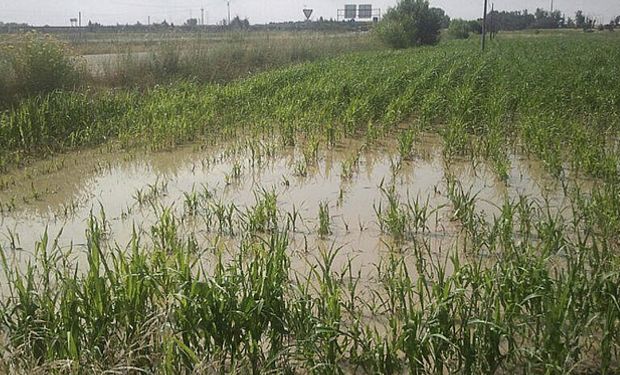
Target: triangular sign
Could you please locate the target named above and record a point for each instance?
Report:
(308, 13)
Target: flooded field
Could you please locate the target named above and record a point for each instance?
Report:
(339, 197)
(433, 210)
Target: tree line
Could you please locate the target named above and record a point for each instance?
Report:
(542, 19)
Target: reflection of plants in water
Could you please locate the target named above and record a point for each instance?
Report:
(235, 174)
(301, 168)
(151, 193)
(349, 166)
(311, 151)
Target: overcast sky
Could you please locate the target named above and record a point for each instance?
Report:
(58, 12)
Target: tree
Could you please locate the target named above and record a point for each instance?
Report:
(475, 26)
(411, 23)
(580, 19)
(191, 22)
(445, 19)
(238, 23)
(459, 29)
(548, 20)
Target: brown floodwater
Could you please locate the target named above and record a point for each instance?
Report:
(131, 189)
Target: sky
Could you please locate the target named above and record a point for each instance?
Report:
(58, 12)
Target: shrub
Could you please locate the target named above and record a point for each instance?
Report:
(475, 26)
(459, 29)
(411, 23)
(5, 74)
(32, 64)
(43, 64)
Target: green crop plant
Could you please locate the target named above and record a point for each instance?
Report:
(324, 220)
(263, 216)
(405, 144)
(449, 89)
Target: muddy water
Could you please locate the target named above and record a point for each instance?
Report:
(131, 190)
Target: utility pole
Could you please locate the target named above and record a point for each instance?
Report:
(492, 22)
(484, 26)
(228, 3)
(551, 6)
(80, 25)
(202, 16)
(148, 22)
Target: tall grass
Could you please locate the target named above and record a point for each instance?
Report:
(233, 57)
(33, 64)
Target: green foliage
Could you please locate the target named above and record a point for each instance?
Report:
(459, 29)
(411, 23)
(35, 63)
(451, 90)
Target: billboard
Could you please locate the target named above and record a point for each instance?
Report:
(350, 11)
(365, 11)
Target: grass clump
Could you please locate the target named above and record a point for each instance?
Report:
(34, 64)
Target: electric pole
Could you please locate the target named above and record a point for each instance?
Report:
(228, 3)
(484, 26)
(202, 16)
(551, 6)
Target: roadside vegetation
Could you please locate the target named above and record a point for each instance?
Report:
(34, 64)
(237, 55)
(411, 23)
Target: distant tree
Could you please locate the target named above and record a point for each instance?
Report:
(493, 24)
(580, 19)
(411, 23)
(458, 29)
(238, 23)
(191, 22)
(570, 23)
(510, 21)
(445, 19)
(548, 20)
(475, 26)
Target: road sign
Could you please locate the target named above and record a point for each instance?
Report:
(308, 13)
